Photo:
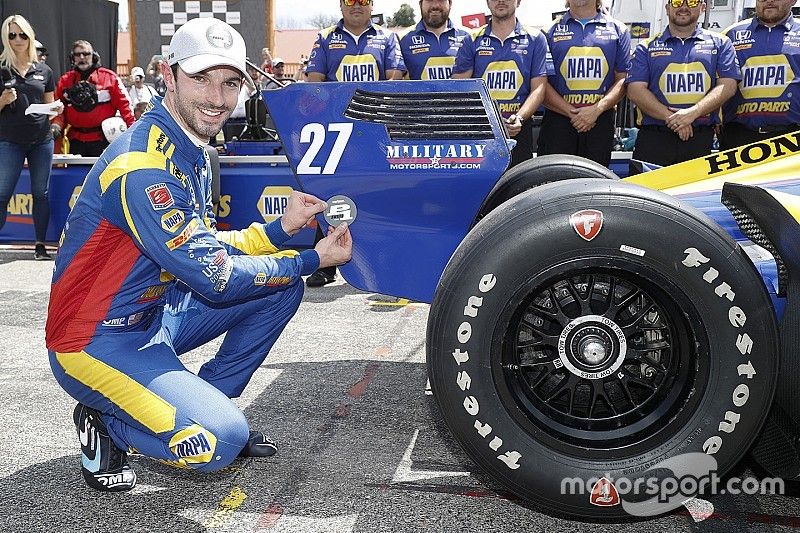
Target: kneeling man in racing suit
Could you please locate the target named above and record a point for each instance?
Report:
(143, 276)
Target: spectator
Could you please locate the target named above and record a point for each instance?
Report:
(352, 50)
(679, 80)
(154, 70)
(139, 109)
(41, 52)
(301, 74)
(266, 60)
(140, 91)
(591, 55)
(91, 94)
(25, 136)
(768, 48)
(278, 72)
(144, 276)
(429, 50)
(513, 63)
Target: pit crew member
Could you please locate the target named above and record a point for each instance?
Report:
(591, 56)
(429, 50)
(678, 80)
(767, 101)
(512, 61)
(143, 276)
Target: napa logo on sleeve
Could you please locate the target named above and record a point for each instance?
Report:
(503, 79)
(584, 68)
(172, 220)
(358, 68)
(765, 76)
(684, 83)
(438, 68)
(273, 202)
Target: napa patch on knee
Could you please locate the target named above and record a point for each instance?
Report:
(193, 445)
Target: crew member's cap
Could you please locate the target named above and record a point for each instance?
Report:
(277, 61)
(203, 43)
(137, 72)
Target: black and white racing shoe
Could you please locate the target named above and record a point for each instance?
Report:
(258, 445)
(104, 466)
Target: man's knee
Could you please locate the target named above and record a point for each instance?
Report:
(210, 444)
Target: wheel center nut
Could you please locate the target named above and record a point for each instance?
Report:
(592, 350)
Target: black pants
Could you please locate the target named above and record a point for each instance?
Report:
(558, 136)
(735, 134)
(662, 146)
(524, 148)
(87, 149)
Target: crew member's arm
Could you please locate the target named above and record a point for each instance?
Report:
(529, 106)
(464, 65)
(728, 76)
(394, 63)
(57, 122)
(638, 82)
(555, 102)
(317, 68)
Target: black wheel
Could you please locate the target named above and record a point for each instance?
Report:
(538, 171)
(595, 333)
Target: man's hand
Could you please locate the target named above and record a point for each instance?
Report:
(513, 125)
(685, 132)
(584, 119)
(55, 129)
(337, 248)
(300, 211)
(57, 106)
(680, 118)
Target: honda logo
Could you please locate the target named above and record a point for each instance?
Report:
(417, 39)
(742, 35)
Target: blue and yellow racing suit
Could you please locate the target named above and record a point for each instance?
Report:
(428, 57)
(142, 276)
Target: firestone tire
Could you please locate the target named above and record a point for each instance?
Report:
(562, 351)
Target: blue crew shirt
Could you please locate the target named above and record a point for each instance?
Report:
(506, 66)
(586, 55)
(428, 57)
(680, 72)
(769, 91)
(342, 57)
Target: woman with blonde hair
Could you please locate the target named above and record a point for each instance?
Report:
(25, 81)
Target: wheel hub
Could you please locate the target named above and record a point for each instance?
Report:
(592, 347)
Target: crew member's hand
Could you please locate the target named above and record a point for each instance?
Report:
(336, 248)
(584, 119)
(681, 118)
(300, 211)
(8, 96)
(55, 129)
(57, 106)
(685, 133)
(513, 125)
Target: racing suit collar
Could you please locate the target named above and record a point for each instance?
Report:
(698, 34)
(181, 138)
(599, 18)
(518, 30)
(421, 27)
(340, 27)
(787, 23)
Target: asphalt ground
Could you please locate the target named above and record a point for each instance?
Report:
(361, 445)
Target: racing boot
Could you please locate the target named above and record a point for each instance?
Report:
(104, 466)
(258, 445)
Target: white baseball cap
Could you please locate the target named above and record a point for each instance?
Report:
(203, 43)
(277, 61)
(137, 71)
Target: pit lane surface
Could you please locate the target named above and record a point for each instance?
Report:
(343, 395)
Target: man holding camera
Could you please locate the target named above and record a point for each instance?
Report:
(91, 93)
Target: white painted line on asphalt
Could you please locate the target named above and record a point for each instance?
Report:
(305, 524)
(405, 472)
(699, 508)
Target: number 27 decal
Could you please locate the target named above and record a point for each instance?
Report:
(315, 133)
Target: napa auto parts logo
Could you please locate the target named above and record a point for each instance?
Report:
(435, 156)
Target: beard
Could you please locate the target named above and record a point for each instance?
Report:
(435, 19)
(775, 15)
(188, 111)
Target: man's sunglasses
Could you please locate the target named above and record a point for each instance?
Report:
(81, 54)
(350, 3)
(13, 35)
(691, 3)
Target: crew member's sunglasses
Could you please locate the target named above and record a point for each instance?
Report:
(81, 54)
(13, 35)
(678, 3)
(350, 3)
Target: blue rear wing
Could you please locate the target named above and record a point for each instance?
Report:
(417, 158)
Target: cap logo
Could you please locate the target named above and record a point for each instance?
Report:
(219, 36)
